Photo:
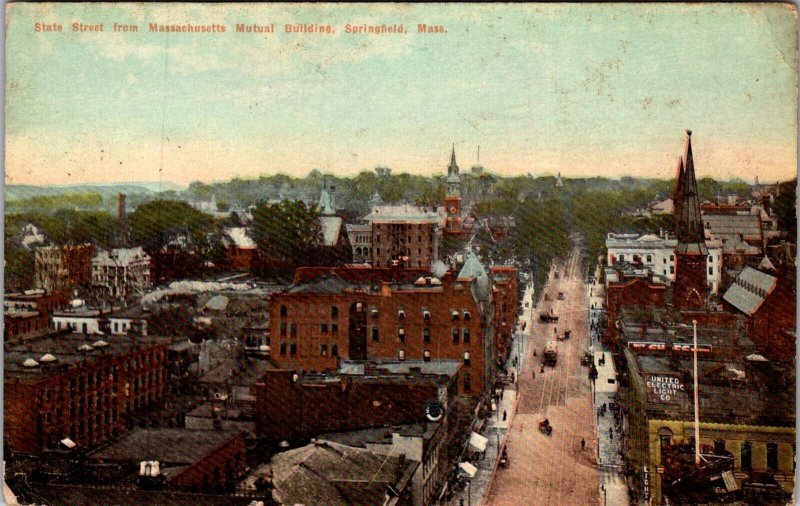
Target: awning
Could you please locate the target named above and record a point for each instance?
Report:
(68, 442)
(467, 469)
(477, 442)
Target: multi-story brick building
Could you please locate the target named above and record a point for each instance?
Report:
(405, 236)
(69, 386)
(27, 314)
(63, 267)
(506, 299)
(365, 314)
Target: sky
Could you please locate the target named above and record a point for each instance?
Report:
(580, 89)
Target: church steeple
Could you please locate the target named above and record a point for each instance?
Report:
(677, 194)
(689, 224)
(453, 167)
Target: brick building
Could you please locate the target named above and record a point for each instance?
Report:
(367, 314)
(26, 314)
(19, 323)
(240, 249)
(770, 303)
(189, 460)
(631, 292)
(63, 267)
(121, 272)
(69, 386)
(293, 407)
(404, 236)
(505, 296)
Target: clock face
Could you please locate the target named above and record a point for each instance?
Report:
(453, 210)
(434, 411)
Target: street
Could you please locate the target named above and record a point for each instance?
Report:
(554, 469)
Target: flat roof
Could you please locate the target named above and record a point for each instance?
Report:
(168, 446)
(65, 348)
(380, 435)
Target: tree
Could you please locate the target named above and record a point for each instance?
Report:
(288, 231)
(785, 208)
(180, 238)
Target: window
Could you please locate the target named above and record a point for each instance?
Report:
(710, 271)
(374, 313)
(401, 354)
(772, 456)
(334, 312)
(334, 328)
(719, 447)
(467, 382)
(672, 258)
(401, 334)
(401, 314)
(649, 258)
(283, 349)
(455, 336)
(335, 350)
(323, 327)
(710, 259)
(466, 358)
(426, 355)
(466, 335)
(426, 335)
(672, 269)
(375, 334)
(293, 349)
(747, 456)
(454, 314)
(426, 315)
(468, 315)
(622, 258)
(293, 330)
(323, 350)
(284, 311)
(665, 261)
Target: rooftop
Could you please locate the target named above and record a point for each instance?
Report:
(168, 446)
(334, 474)
(397, 367)
(738, 391)
(380, 435)
(749, 290)
(70, 350)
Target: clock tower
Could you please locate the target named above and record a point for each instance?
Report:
(452, 199)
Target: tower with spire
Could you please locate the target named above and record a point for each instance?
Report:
(452, 199)
(691, 254)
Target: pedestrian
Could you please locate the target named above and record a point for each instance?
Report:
(534, 352)
(611, 433)
(583, 444)
(501, 394)
(505, 415)
(534, 374)
(542, 370)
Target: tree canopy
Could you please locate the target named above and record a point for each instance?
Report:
(288, 231)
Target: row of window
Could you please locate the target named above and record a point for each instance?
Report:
(455, 314)
(459, 335)
(745, 453)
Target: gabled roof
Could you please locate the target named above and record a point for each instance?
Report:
(749, 290)
(239, 238)
(120, 256)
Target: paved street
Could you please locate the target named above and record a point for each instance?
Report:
(552, 470)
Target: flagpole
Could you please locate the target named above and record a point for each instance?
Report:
(696, 402)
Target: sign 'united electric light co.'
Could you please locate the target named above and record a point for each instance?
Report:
(664, 388)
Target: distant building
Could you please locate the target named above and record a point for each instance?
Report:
(63, 267)
(31, 237)
(240, 248)
(505, 282)
(28, 314)
(405, 236)
(452, 199)
(121, 272)
(656, 253)
(360, 236)
(85, 389)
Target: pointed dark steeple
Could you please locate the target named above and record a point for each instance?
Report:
(452, 168)
(689, 225)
